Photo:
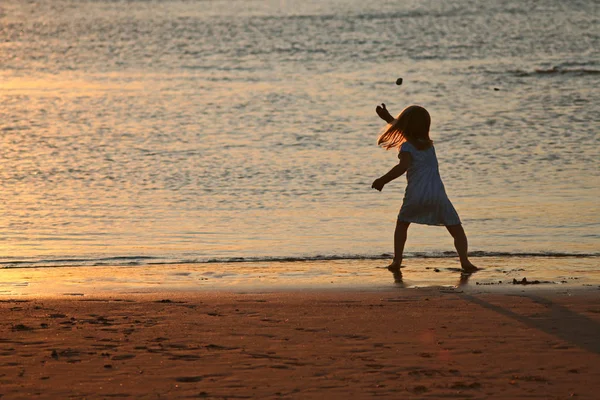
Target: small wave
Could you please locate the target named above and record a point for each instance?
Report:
(155, 261)
(374, 16)
(357, 257)
(76, 262)
(557, 70)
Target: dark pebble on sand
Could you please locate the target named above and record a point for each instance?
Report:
(524, 281)
(399, 81)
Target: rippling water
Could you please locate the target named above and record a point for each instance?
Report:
(198, 130)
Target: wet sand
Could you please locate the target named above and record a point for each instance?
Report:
(499, 274)
(399, 344)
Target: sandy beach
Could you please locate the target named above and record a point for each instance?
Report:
(427, 343)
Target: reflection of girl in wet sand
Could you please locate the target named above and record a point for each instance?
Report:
(425, 200)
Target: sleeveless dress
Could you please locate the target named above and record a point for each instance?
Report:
(425, 200)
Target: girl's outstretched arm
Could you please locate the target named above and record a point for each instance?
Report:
(397, 171)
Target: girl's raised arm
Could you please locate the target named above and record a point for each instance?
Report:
(383, 113)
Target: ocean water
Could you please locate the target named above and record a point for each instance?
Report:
(142, 132)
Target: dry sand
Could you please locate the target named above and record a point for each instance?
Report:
(407, 344)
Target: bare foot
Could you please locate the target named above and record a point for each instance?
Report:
(396, 264)
(469, 268)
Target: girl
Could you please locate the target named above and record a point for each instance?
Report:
(425, 200)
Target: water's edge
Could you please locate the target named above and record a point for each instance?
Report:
(10, 263)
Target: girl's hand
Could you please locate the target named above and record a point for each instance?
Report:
(378, 184)
(383, 113)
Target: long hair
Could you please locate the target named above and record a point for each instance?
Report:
(411, 125)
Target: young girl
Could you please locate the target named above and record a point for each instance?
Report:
(425, 200)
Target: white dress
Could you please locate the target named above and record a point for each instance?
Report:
(425, 200)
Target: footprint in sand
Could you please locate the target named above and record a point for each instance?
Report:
(123, 357)
(189, 379)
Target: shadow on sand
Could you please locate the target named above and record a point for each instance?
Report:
(559, 321)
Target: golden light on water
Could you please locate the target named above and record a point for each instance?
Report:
(63, 85)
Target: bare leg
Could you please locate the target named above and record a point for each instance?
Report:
(462, 245)
(399, 240)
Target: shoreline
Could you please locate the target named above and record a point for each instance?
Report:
(501, 275)
(423, 343)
